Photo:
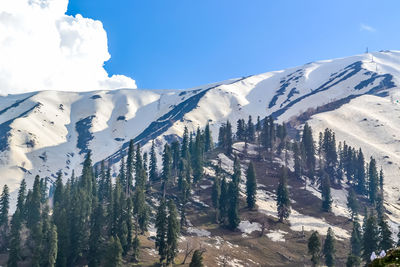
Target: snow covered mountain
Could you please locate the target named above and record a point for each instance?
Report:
(43, 132)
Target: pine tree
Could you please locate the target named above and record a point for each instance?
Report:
(329, 248)
(136, 248)
(360, 172)
(353, 261)
(172, 233)
(251, 186)
(15, 240)
(250, 130)
(96, 238)
(4, 208)
(356, 239)
(308, 142)
(48, 248)
(185, 144)
(197, 158)
(21, 199)
(153, 174)
(130, 165)
(228, 138)
(298, 168)
(283, 201)
(240, 130)
(385, 241)
(208, 142)
(140, 209)
(223, 201)
(258, 125)
(237, 171)
(197, 259)
(216, 194)
(114, 253)
(373, 181)
(381, 177)
(370, 237)
(352, 203)
(326, 193)
(161, 225)
(314, 247)
(166, 171)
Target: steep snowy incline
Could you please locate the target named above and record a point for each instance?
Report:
(44, 132)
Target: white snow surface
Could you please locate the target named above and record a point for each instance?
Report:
(38, 130)
(277, 235)
(248, 227)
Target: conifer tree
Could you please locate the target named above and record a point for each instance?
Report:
(373, 181)
(114, 253)
(161, 226)
(228, 138)
(381, 177)
(329, 248)
(258, 125)
(175, 158)
(308, 142)
(356, 239)
(208, 142)
(326, 193)
(21, 199)
(140, 209)
(370, 237)
(136, 248)
(240, 130)
(385, 241)
(172, 233)
(251, 186)
(15, 240)
(237, 171)
(197, 259)
(223, 201)
(250, 130)
(153, 174)
(352, 203)
(130, 165)
(314, 247)
(233, 210)
(48, 248)
(185, 144)
(166, 171)
(197, 163)
(298, 168)
(96, 239)
(283, 201)
(216, 194)
(360, 172)
(4, 208)
(398, 237)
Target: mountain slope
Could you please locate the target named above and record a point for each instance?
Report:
(43, 132)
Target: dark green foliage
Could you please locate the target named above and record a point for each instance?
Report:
(283, 200)
(208, 142)
(172, 233)
(329, 248)
(372, 181)
(391, 259)
(329, 150)
(197, 259)
(130, 166)
(326, 193)
(381, 177)
(161, 226)
(4, 208)
(250, 134)
(197, 157)
(353, 261)
(153, 173)
(237, 171)
(352, 203)
(386, 242)
(233, 210)
(223, 201)
(185, 144)
(370, 237)
(298, 166)
(225, 137)
(140, 209)
(136, 249)
(360, 172)
(314, 247)
(114, 253)
(216, 194)
(241, 130)
(309, 147)
(48, 248)
(21, 199)
(356, 239)
(96, 239)
(15, 240)
(166, 171)
(251, 186)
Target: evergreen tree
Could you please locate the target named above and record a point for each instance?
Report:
(352, 203)
(237, 171)
(21, 199)
(166, 171)
(398, 237)
(114, 253)
(96, 239)
(161, 225)
(216, 194)
(329, 248)
(197, 158)
(353, 261)
(153, 174)
(250, 130)
(251, 186)
(15, 240)
(172, 233)
(356, 239)
(308, 142)
(298, 168)
(258, 125)
(326, 193)
(140, 209)
(136, 248)
(4, 208)
(197, 259)
(48, 248)
(130, 165)
(185, 144)
(228, 138)
(370, 237)
(223, 201)
(241, 130)
(283, 201)
(386, 242)
(208, 142)
(381, 177)
(373, 181)
(314, 247)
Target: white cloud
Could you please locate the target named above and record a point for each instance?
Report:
(41, 48)
(365, 27)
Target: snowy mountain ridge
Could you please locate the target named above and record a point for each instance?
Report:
(43, 132)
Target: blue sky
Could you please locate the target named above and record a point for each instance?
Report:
(186, 43)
